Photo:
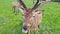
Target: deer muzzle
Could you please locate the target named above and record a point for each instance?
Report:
(25, 29)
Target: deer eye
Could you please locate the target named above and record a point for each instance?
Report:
(33, 16)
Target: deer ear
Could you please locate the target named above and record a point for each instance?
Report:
(39, 11)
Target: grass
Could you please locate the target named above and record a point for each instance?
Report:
(12, 24)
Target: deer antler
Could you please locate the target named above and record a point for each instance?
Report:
(21, 2)
(40, 4)
(43, 3)
(35, 6)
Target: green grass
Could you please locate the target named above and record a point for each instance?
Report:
(12, 24)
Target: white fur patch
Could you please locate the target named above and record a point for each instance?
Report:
(24, 31)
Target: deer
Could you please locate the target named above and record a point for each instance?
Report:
(31, 17)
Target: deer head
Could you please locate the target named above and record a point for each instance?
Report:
(29, 13)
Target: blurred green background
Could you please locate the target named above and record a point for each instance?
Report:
(12, 24)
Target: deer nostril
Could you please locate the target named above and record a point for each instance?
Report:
(25, 28)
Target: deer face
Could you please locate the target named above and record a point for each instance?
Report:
(30, 16)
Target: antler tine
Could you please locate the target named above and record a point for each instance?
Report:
(35, 6)
(22, 3)
(41, 4)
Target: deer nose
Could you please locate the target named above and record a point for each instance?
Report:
(25, 28)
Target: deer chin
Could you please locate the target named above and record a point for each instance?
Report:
(24, 31)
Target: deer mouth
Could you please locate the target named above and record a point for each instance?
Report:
(25, 29)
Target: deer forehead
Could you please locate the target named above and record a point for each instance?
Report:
(29, 11)
(32, 12)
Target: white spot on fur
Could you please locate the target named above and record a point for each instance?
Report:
(24, 31)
